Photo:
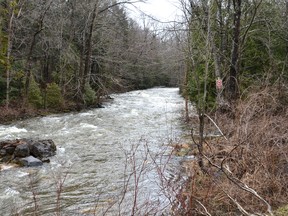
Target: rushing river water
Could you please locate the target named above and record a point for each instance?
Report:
(94, 148)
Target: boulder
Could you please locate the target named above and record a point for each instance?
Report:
(6, 159)
(22, 151)
(42, 149)
(27, 152)
(30, 161)
(10, 149)
(3, 152)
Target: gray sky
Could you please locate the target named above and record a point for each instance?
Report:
(163, 10)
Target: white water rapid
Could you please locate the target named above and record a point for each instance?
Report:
(91, 157)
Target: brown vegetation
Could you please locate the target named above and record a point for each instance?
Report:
(16, 112)
(247, 172)
(12, 114)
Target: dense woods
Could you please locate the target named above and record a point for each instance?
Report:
(236, 76)
(61, 53)
(229, 58)
(56, 54)
(242, 43)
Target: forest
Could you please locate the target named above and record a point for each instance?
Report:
(236, 54)
(66, 54)
(229, 59)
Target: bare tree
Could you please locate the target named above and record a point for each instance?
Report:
(39, 26)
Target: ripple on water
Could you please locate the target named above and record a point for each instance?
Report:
(6, 166)
(11, 132)
(11, 192)
(22, 174)
(87, 114)
(90, 126)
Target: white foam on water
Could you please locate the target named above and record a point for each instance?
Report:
(86, 125)
(11, 192)
(134, 112)
(12, 132)
(12, 129)
(64, 130)
(22, 174)
(6, 167)
(145, 95)
(51, 118)
(61, 150)
(86, 114)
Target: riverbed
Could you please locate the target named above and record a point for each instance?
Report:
(101, 153)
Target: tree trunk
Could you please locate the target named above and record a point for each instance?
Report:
(233, 84)
(88, 48)
(28, 66)
(201, 142)
(218, 58)
(186, 94)
(286, 13)
(219, 97)
(11, 15)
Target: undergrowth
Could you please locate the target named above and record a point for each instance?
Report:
(246, 170)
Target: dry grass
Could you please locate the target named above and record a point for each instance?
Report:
(256, 153)
(16, 113)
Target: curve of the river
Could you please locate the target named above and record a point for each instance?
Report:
(94, 148)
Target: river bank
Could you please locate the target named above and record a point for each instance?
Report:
(245, 172)
(16, 112)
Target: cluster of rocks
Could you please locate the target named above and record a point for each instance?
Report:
(26, 152)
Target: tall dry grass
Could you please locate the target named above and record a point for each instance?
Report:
(246, 173)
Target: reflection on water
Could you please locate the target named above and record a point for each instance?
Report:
(95, 155)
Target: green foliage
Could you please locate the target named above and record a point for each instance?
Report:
(2, 89)
(122, 44)
(262, 57)
(255, 62)
(3, 49)
(255, 56)
(34, 94)
(89, 95)
(54, 97)
(199, 60)
(196, 88)
(3, 37)
(282, 211)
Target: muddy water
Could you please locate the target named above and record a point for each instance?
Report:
(95, 156)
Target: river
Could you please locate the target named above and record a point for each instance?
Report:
(97, 151)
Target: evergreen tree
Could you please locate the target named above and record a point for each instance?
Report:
(54, 97)
(34, 94)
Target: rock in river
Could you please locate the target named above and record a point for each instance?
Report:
(43, 148)
(22, 151)
(27, 152)
(30, 161)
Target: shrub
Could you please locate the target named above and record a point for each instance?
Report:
(54, 97)
(2, 90)
(89, 95)
(34, 95)
(254, 156)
